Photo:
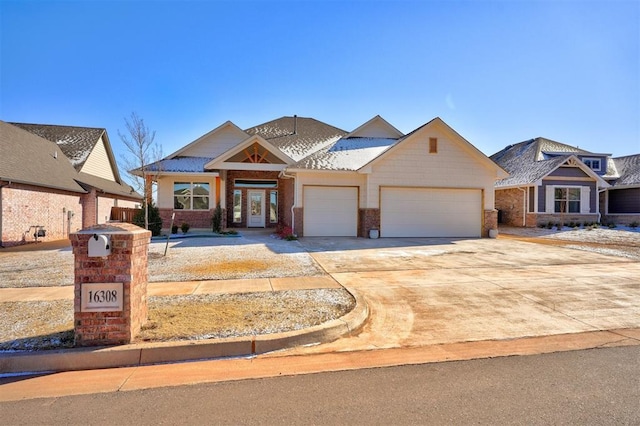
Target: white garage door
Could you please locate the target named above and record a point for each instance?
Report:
(330, 211)
(429, 212)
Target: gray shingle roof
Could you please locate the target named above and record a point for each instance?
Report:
(107, 186)
(346, 154)
(180, 164)
(75, 142)
(628, 169)
(310, 135)
(29, 159)
(526, 162)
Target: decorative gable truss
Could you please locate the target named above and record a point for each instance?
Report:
(254, 153)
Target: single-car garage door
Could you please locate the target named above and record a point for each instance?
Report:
(330, 211)
(430, 212)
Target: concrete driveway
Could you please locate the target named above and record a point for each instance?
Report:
(432, 291)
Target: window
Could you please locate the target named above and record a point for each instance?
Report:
(191, 195)
(566, 200)
(433, 145)
(237, 206)
(592, 163)
(273, 207)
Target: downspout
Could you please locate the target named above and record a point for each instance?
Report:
(524, 207)
(606, 203)
(282, 174)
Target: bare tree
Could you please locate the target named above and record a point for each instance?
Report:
(139, 141)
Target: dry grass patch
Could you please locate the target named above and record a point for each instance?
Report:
(40, 325)
(229, 267)
(197, 317)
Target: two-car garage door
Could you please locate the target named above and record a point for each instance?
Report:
(430, 212)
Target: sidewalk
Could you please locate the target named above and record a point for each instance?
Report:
(280, 364)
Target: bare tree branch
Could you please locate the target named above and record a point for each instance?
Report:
(139, 141)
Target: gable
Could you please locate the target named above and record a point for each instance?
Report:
(411, 163)
(254, 153)
(377, 128)
(98, 163)
(213, 144)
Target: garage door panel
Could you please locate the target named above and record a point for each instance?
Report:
(430, 212)
(330, 211)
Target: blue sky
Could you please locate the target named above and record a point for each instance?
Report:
(498, 72)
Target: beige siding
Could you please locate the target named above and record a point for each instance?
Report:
(98, 164)
(215, 144)
(376, 129)
(410, 164)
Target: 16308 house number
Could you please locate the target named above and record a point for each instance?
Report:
(101, 297)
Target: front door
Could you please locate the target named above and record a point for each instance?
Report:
(255, 215)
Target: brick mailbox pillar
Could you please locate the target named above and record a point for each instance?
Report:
(111, 276)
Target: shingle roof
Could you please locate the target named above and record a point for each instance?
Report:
(75, 142)
(346, 154)
(298, 137)
(180, 164)
(29, 159)
(107, 186)
(526, 162)
(628, 169)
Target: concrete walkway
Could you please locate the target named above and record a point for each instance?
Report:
(182, 288)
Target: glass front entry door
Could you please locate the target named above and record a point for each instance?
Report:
(255, 215)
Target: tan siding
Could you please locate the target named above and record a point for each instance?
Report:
(412, 165)
(330, 179)
(216, 144)
(98, 164)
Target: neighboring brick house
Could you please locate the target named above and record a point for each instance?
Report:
(55, 180)
(324, 181)
(551, 182)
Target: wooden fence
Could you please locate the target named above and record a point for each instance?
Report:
(123, 214)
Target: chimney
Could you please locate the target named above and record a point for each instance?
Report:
(295, 124)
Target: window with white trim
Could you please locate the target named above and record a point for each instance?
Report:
(191, 195)
(237, 206)
(592, 163)
(566, 200)
(273, 207)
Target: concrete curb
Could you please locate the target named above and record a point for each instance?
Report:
(165, 352)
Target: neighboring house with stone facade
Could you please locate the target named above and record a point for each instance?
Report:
(323, 181)
(56, 180)
(558, 183)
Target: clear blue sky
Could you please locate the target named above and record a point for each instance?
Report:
(499, 72)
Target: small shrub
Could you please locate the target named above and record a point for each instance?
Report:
(231, 232)
(154, 219)
(216, 221)
(185, 227)
(634, 225)
(611, 225)
(550, 225)
(174, 229)
(559, 226)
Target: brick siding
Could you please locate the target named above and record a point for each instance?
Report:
(368, 219)
(510, 202)
(127, 264)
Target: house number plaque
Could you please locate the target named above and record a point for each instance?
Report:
(101, 297)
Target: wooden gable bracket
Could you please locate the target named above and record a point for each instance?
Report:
(571, 162)
(255, 157)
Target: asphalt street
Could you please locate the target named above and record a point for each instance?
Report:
(596, 386)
